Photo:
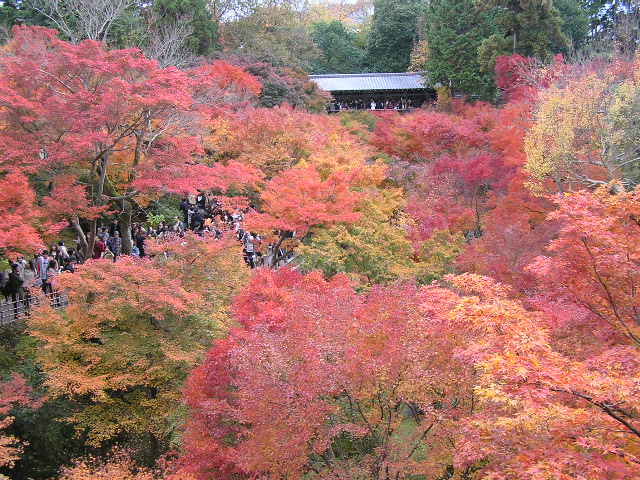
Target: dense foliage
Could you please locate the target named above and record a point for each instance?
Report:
(455, 30)
(458, 41)
(462, 291)
(393, 31)
(81, 115)
(339, 49)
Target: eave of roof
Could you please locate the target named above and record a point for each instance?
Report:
(347, 82)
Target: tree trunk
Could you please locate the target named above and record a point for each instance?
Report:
(93, 229)
(125, 229)
(276, 250)
(91, 240)
(83, 244)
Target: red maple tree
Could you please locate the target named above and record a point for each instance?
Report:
(101, 127)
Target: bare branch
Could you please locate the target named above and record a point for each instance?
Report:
(167, 43)
(83, 19)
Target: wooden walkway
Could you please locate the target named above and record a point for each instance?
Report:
(14, 311)
(11, 312)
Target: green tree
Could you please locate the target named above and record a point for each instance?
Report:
(575, 21)
(531, 28)
(372, 251)
(122, 368)
(19, 12)
(204, 38)
(454, 31)
(278, 35)
(393, 33)
(615, 24)
(49, 442)
(339, 51)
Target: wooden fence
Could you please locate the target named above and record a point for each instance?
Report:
(15, 310)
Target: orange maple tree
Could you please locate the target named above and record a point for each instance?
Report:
(299, 199)
(131, 332)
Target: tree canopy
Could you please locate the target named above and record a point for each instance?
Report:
(394, 29)
(206, 276)
(340, 52)
(455, 29)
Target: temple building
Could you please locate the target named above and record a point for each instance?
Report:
(376, 91)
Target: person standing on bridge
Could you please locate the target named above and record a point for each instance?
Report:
(52, 272)
(42, 264)
(22, 267)
(249, 249)
(14, 288)
(139, 238)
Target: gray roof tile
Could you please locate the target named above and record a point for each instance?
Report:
(369, 81)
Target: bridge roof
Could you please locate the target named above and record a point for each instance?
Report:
(370, 81)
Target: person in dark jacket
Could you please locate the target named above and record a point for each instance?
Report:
(139, 238)
(113, 228)
(184, 207)
(197, 220)
(115, 245)
(14, 288)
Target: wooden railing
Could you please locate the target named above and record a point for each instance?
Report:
(15, 310)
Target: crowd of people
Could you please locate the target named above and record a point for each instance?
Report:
(39, 272)
(201, 214)
(204, 215)
(374, 104)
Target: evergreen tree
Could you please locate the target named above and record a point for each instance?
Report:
(204, 39)
(575, 21)
(532, 28)
(616, 24)
(604, 14)
(393, 34)
(278, 35)
(339, 52)
(454, 31)
(20, 12)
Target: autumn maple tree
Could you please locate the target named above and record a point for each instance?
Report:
(463, 304)
(373, 250)
(376, 393)
(405, 381)
(24, 225)
(593, 263)
(109, 125)
(198, 264)
(316, 170)
(453, 166)
(299, 198)
(556, 394)
(514, 232)
(274, 139)
(131, 332)
(584, 135)
(565, 393)
(119, 466)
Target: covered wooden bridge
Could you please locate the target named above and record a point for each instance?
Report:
(376, 91)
